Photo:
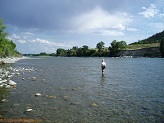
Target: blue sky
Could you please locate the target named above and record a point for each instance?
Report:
(45, 25)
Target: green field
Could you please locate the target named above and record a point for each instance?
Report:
(141, 46)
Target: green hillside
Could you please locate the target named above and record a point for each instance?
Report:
(156, 38)
(141, 46)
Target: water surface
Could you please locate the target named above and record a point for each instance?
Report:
(74, 90)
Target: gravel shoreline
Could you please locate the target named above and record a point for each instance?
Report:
(9, 60)
(7, 73)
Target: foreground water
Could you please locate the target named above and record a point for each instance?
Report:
(74, 91)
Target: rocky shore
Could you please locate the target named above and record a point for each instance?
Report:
(7, 73)
(10, 60)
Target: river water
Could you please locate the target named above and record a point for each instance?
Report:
(74, 91)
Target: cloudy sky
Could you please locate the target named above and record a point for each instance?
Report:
(45, 25)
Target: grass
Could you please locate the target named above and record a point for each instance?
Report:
(141, 46)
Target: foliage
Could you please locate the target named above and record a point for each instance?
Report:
(162, 47)
(157, 38)
(7, 47)
(61, 52)
(3, 32)
(121, 45)
(100, 47)
(42, 54)
(116, 46)
(83, 51)
(101, 50)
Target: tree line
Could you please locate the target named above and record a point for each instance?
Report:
(100, 50)
(7, 47)
(162, 47)
(156, 38)
(112, 50)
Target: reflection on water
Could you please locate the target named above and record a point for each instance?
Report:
(74, 90)
(103, 79)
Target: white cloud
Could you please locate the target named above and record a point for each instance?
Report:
(108, 32)
(41, 41)
(151, 11)
(21, 41)
(26, 37)
(48, 43)
(27, 34)
(17, 38)
(28, 41)
(22, 37)
(161, 15)
(14, 36)
(132, 29)
(99, 20)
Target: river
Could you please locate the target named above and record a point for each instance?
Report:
(73, 90)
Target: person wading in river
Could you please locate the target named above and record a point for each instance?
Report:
(103, 66)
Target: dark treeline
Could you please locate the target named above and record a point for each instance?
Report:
(157, 38)
(7, 47)
(112, 50)
(100, 50)
(162, 47)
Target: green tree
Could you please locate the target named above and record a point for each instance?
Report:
(3, 32)
(7, 52)
(100, 47)
(162, 47)
(85, 50)
(43, 54)
(79, 52)
(116, 46)
(92, 52)
(61, 52)
(74, 48)
(7, 47)
(113, 49)
(121, 45)
(71, 52)
(156, 38)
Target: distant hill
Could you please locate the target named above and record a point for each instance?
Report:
(153, 39)
(149, 47)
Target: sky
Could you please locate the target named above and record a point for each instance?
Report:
(37, 26)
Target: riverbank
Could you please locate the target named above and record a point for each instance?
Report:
(10, 60)
(144, 52)
(7, 73)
